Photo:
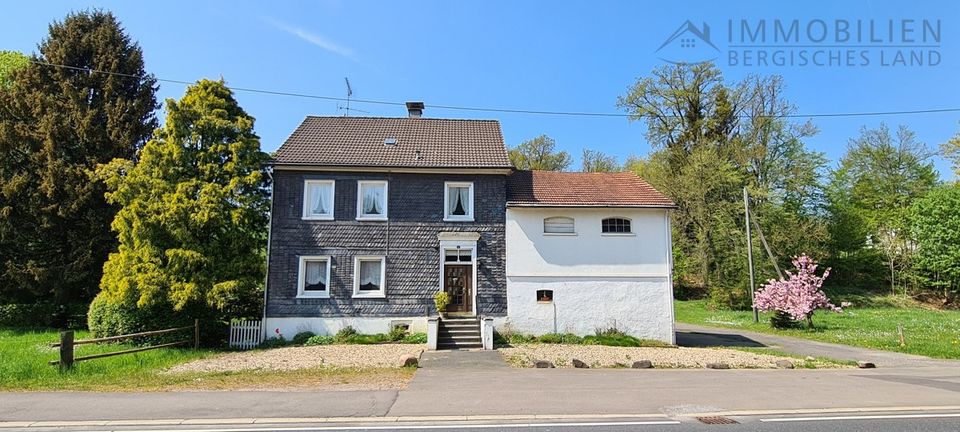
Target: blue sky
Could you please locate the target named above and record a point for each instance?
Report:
(538, 55)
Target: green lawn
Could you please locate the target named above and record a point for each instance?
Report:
(24, 355)
(927, 332)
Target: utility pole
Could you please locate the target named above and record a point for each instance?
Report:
(746, 213)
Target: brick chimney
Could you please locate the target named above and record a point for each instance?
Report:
(415, 109)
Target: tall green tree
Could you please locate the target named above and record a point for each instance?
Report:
(193, 211)
(597, 161)
(710, 140)
(951, 151)
(539, 154)
(11, 61)
(870, 195)
(935, 228)
(56, 124)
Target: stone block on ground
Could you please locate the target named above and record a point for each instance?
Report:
(579, 364)
(408, 360)
(642, 364)
(866, 365)
(718, 366)
(543, 364)
(784, 364)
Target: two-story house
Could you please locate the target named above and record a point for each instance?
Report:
(372, 216)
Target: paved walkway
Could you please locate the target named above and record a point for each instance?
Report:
(699, 336)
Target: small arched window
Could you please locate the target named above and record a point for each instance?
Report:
(558, 225)
(615, 225)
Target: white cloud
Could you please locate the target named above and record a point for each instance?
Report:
(315, 39)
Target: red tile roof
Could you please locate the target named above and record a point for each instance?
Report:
(575, 189)
(420, 143)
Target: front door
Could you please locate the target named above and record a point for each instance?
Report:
(457, 282)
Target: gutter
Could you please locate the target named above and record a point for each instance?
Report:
(266, 273)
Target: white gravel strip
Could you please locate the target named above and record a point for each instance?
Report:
(524, 355)
(292, 358)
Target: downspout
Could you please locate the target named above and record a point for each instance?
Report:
(266, 273)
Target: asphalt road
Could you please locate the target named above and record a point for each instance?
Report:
(878, 422)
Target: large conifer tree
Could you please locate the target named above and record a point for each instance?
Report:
(57, 123)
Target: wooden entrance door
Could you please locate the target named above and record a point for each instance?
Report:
(457, 282)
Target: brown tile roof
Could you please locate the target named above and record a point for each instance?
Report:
(575, 189)
(359, 141)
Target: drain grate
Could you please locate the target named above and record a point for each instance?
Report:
(717, 420)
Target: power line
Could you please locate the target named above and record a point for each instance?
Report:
(486, 109)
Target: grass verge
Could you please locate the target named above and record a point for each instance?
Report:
(24, 354)
(932, 333)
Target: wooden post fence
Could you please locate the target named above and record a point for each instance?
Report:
(67, 344)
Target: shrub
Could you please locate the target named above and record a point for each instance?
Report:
(441, 300)
(274, 342)
(319, 340)
(551, 338)
(106, 319)
(415, 338)
(620, 340)
(345, 334)
(798, 296)
(302, 337)
(397, 333)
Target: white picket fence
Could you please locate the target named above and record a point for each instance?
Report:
(245, 334)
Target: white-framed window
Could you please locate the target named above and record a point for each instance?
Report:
(369, 276)
(615, 225)
(458, 201)
(318, 199)
(314, 277)
(559, 225)
(372, 200)
(459, 255)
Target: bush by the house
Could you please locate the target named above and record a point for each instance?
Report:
(351, 337)
(319, 340)
(607, 337)
(302, 337)
(274, 342)
(415, 338)
(397, 333)
(106, 318)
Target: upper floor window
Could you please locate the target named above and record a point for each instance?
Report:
(558, 225)
(314, 277)
(372, 200)
(318, 199)
(615, 225)
(458, 201)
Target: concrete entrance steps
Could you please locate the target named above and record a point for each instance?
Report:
(459, 333)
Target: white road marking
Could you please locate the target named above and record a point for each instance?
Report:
(413, 427)
(864, 417)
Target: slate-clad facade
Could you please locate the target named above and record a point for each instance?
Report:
(408, 239)
(422, 161)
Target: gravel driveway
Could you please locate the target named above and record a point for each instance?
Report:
(292, 358)
(523, 355)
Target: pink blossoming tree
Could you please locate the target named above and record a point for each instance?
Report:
(797, 297)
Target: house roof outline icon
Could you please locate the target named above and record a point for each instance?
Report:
(702, 34)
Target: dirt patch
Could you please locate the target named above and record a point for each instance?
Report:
(295, 358)
(524, 355)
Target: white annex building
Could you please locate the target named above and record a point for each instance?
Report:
(586, 252)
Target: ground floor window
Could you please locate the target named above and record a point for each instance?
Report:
(369, 276)
(314, 276)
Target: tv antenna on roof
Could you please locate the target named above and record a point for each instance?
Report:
(347, 108)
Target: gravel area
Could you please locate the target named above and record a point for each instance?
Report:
(524, 355)
(292, 358)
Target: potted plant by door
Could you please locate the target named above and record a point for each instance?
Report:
(441, 300)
